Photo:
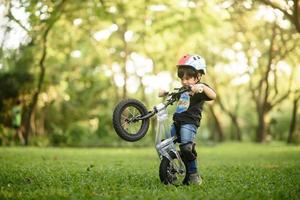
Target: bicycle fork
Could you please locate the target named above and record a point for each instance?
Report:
(166, 148)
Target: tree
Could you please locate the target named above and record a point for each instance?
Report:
(290, 8)
(48, 26)
(265, 49)
(293, 123)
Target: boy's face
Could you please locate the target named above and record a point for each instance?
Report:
(187, 81)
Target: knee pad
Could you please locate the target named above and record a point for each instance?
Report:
(188, 151)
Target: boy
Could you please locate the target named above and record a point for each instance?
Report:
(187, 116)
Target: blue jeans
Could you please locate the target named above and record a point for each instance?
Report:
(187, 134)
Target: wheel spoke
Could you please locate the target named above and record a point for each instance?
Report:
(124, 124)
(126, 116)
(123, 116)
(131, 112)
(172, 173)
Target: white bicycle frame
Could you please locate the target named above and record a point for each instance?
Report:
(166, 146)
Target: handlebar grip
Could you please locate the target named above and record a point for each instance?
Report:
(188, 87)
(185, 89)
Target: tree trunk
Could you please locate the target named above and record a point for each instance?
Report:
(238, 131)
(39, 122)
(234, 119)
(28, 116)
(293, 120)
(218, 125)
(262, 127)
(296, 15)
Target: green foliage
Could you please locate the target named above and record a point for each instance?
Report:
(6, 136)
(13, 86)
(229, 171)
(41, 141)
(58, 137)
(75, 133)
(296, 138)
(80, 89)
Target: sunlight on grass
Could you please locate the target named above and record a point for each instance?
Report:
(230, 171)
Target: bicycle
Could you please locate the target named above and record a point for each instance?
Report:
(131, 123)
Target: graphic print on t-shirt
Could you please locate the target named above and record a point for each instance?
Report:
(183, 103)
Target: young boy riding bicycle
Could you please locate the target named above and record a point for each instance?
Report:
(187, 116)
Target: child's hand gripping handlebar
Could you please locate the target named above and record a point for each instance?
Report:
(163, 93)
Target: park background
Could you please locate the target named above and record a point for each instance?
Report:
(65, 64)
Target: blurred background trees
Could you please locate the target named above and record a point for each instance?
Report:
(70, 62)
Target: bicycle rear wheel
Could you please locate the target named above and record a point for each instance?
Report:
(170, 172)
(125, 121)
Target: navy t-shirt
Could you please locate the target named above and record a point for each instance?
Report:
(189, 108)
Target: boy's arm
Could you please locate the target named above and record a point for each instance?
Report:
(199, 88)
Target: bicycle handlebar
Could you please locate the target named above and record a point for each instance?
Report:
(175, 95)
(171, 98)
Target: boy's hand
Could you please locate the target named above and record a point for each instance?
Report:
(197, 88)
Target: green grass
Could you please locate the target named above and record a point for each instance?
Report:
(230, 171)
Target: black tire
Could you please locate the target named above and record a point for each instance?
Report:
(168, 175)
(140, 126)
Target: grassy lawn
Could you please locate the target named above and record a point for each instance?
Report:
(230, 171)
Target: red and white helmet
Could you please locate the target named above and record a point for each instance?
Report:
(195, 61)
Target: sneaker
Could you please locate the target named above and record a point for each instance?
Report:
(195, 179)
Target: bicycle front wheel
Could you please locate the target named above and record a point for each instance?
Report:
(125, 121)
